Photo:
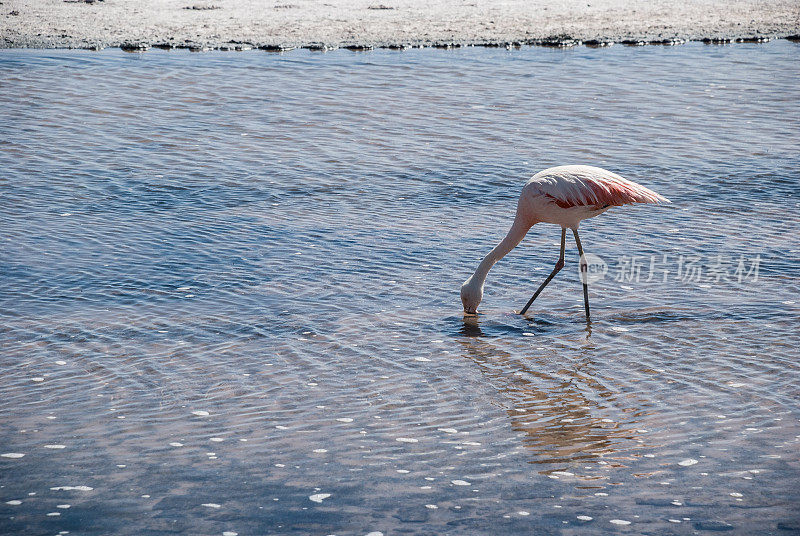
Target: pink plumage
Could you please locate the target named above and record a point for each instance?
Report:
(565, 196)
(572, 186)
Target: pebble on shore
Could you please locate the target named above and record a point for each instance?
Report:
(322, 26)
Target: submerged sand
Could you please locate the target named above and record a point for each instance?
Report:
(373, 23)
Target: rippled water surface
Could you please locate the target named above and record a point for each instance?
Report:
(229, 293)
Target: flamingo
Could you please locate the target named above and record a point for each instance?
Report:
(563, 195)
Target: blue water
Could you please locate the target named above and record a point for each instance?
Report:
(229, 293)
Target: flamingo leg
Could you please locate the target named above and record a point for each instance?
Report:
(583, 273)
(559, 266)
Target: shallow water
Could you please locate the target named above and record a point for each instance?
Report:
(230, 282)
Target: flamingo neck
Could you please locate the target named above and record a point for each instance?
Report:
(518, 230)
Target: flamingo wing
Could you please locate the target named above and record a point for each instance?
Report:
(571, 186)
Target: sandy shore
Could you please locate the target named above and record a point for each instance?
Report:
(373, 23)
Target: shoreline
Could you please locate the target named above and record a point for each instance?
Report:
(559, 42)
(394, 24)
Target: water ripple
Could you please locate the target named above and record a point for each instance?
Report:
(229, 285)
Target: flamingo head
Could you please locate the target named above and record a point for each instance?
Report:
(471, 295)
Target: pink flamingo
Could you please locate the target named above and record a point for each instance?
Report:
(563, 195)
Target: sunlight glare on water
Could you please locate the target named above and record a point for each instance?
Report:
(229, 293)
